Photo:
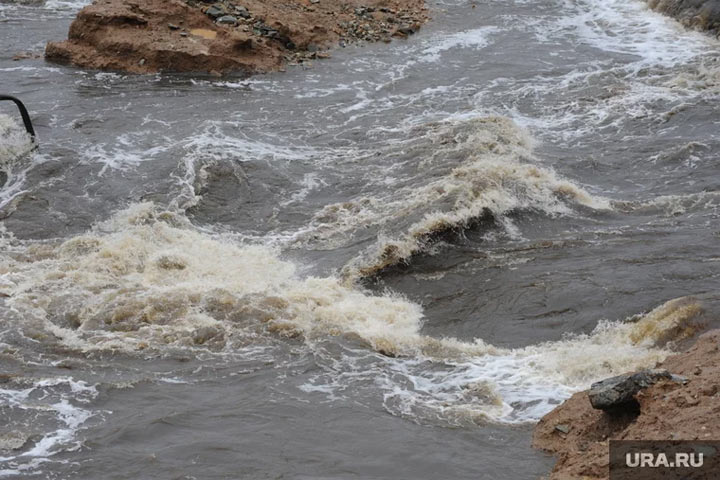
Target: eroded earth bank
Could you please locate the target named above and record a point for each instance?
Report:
(681, 406)
(251, 36)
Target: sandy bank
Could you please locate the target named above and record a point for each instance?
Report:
(252, 36)
(578, 435)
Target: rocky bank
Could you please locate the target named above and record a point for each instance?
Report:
(250, 36)
(685, 406)
(699, 14)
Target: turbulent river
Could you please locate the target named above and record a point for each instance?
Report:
(387, 265)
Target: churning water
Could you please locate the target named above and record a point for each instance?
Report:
(388, 265)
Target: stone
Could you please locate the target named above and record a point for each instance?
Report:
(619, 392)
(265, 30)
(242, 12)
(563, 428)
(406, 30)
(172, 26)
(214, 12)
(227, 20)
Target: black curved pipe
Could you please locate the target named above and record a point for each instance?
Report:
(23, 112)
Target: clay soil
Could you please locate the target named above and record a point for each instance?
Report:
(252, 36)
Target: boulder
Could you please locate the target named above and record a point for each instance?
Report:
(619, 392)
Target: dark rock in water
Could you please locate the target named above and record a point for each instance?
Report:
(12, 440)
(699, 14)
(619, 392)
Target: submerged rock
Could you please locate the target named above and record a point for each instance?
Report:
(12, 440)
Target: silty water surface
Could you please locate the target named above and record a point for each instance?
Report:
(389, 264)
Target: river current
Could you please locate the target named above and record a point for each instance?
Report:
(388, 264)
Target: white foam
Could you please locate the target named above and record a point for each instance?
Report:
(460, 383)
(466, 168)
(630, 27)
(146, 279)
(53, 404)
(16, 159)
(474, 39)
(72, 5)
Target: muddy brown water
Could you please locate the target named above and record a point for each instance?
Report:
(184, 288)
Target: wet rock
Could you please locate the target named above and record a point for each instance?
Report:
(619, 392)
(26, 56)
(406, 30)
